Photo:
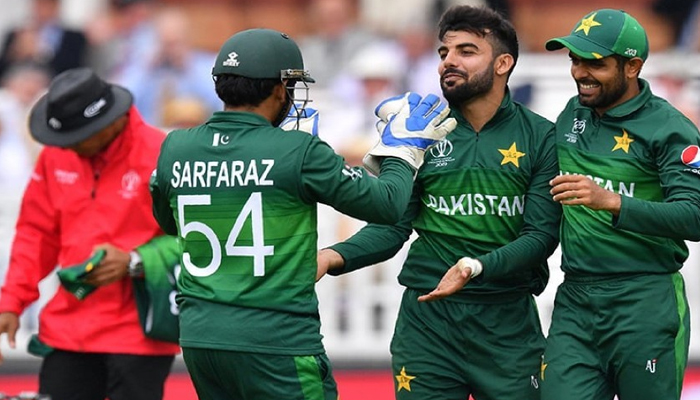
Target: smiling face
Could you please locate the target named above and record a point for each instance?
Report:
(466, 66)
(605, 83)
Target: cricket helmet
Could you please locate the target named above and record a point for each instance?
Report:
(261, 54)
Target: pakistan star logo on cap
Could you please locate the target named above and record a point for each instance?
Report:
(587, 24)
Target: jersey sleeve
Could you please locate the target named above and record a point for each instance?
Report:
(36, 244)
(539, 235)
(160, 252)
(678, 216)
(162, 211)
(375, 243)
(352, 190)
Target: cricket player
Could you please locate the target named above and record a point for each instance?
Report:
(630, 190)
(242, 193)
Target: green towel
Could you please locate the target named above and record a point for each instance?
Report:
(37, 347)
(72, 277)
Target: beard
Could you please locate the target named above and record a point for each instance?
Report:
(475, 86)
(609, 94)
(284, 111)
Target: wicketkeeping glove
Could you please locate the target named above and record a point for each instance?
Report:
(301, 119)
(408, 125)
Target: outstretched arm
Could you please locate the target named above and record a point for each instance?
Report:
(454, 279)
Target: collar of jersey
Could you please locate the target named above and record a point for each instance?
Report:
(238, 117)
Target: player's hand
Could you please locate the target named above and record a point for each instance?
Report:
(9, 324)
(113, 266)
(327, 259)
(301, 119)
(571, 190)
(408, 125)
(454, 279)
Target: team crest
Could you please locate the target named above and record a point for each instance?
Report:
(587, 23)
(511, 155)
(623, 142)
(403, 380)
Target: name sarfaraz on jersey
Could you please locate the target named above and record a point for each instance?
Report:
(206, 174)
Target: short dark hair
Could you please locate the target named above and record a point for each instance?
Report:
(236, 91)
(484, 22)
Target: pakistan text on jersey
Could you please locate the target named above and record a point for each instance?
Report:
(203, 174)
(479, 204)
(621, 188)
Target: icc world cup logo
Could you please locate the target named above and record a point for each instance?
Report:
(130, 184)
(441, 149)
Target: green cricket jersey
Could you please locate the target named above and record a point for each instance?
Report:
(648, 152)
(242, 196)
(483, 195)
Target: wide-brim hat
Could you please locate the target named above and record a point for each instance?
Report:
(77, 105)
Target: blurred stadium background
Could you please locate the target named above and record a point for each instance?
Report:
(359, 51)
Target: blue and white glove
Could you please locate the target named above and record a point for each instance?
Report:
(408, 125)
(301, 119)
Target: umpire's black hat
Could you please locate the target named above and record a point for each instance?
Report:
(77, 105)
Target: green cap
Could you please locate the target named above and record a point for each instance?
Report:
(261, 54)
(603, 33)
(72, 277)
